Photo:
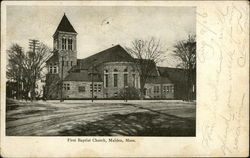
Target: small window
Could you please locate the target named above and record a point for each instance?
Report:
(164, 88)
(70, 44)
(81, 88)
(95, 87)
(64, 43)
(133, 77)
(90, 87)
(115, 70)
(115, 80)
(126, 70)
(172, 89)
(106, 80)
(68, 87)
(55, 69)
(125, 80)
(51, 69)
(99, 88)
(156, 89)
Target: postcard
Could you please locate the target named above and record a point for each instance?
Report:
(124, 78)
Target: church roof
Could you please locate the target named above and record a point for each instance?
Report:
(65, 25)
(54, 58)
(176, 75)
(113, 54)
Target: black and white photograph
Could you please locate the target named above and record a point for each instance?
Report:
(101, 71)
(124, 79)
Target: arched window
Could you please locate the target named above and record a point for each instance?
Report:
(115, 78)
(64, 43)
(106, 77)
(70, 44)
(125, 80)
(125, 70)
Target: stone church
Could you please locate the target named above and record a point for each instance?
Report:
(106, 74)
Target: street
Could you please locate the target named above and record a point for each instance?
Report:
(101, 118)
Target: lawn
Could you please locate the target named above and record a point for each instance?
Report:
(101, 118)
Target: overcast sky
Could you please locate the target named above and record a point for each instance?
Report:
(169, 24)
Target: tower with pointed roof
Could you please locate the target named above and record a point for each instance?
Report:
(64, 44)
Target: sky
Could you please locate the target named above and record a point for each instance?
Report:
(125, 24)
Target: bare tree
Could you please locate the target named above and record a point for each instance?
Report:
(14, 72)
(146, 53)
(35, 64)
(27, 68)
(186, 51)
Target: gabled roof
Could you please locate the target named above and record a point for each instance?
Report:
(113, 54)
(174, 74)
(83, 76)
(54, 58)
(65, 25)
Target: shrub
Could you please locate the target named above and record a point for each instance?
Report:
(129, 93)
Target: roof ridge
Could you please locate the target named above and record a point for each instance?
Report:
(118, 45)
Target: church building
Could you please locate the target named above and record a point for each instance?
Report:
(106, 74)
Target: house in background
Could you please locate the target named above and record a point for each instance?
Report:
(105, 74)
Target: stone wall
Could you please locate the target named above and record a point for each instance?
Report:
(76, 90)
(164, 91)
(119, 69)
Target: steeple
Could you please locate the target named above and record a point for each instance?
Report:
(65, 43)
(65, 25)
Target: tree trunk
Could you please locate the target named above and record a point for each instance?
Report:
(141, 93)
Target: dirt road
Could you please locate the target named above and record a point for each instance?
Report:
(101, 118)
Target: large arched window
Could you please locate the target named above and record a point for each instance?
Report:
(70, 41)
(115, 78)
(64, 43)
(125, 78)
(106, 82)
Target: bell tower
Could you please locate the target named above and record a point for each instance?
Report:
(64, 43)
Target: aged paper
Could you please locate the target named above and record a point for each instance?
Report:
(222, 102)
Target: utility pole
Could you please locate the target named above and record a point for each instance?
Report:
(126, 94)
(33, 45)
(61, 98)
(92, 79)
